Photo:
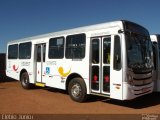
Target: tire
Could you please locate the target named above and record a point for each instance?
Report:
(25, 81)
(77, 90)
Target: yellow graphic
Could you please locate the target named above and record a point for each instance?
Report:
(61, 72)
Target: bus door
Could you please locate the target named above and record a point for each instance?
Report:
(100, 64)
(40, 59)
(106, 69)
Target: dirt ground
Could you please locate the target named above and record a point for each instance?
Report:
(16, 100)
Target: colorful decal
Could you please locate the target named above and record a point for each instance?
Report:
(15, 68)
(61, 72)
(47, 70)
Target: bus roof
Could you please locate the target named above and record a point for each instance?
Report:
(71, 31)
(75, 30)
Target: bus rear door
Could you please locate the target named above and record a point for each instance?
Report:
(40, 60)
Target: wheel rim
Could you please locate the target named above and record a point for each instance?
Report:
(76, 90)
(24, 81)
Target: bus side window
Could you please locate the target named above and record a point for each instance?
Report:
(56, 48)
(75, 46)
(13, 51)
(25, 50)
(117, 53)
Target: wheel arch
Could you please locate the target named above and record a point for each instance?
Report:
(70, 77)
(22, 71)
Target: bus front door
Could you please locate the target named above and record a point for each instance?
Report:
(40, 59)
(100, 65)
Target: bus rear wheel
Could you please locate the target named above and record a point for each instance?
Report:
(77, 90)
(25, 81)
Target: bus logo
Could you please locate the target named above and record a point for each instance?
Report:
(15, 68)
(61, 72)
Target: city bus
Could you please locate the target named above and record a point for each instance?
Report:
(156, 53)
(112, 59)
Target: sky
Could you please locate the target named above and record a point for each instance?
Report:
(26, 18)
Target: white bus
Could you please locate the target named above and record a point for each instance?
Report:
(156, 53)
(112, 59)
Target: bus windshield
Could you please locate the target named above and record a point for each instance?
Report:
(139, 51)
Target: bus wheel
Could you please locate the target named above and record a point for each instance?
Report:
(77, 90)
(25, 81)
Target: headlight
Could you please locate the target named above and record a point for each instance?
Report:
(130, 79)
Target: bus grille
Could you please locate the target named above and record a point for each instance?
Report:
(142, 79)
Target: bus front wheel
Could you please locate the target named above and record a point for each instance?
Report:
(77, 90)
(25, 81)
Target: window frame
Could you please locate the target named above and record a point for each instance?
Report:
(75, 46)
(56, 38)
(26, 57)
(17, 51)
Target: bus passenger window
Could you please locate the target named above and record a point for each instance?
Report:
(13, 51)
(56, 48)
(25, 50)
(75, 46)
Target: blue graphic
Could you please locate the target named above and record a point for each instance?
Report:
(47, 70)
